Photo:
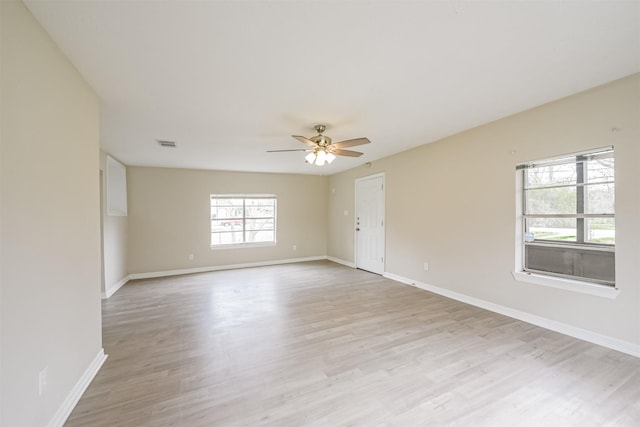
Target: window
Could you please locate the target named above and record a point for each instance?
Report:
(242, 220)
(568, 217)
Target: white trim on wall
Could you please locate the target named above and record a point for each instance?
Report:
(165, 273)
(563, 328)
(341, 261)
(153, 274)
(112, 290)
(63, 412)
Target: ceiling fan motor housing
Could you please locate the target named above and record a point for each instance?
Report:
(321, 140)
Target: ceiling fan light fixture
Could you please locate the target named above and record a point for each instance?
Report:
(310, 158)
(321, 158)
(330, 157)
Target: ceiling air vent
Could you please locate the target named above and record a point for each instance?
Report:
(164, 143)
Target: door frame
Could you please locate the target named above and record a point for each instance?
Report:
(384, 220)
(103, 291)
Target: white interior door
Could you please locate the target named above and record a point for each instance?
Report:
(370, 224)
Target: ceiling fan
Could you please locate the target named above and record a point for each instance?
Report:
(322, 150)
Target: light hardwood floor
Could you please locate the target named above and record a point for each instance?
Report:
(319, 344)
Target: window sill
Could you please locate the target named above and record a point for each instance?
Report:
(242, 245)
(566, 284)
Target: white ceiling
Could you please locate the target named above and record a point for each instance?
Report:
(228, 80)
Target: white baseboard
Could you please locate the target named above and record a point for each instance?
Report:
(153, 274)
(112, 290)
(563, 328)
(341, 261)
(77, 391)
(166, 273)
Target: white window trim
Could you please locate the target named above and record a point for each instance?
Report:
(566, 284)
(242, 245)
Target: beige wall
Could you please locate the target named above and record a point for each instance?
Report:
(50, 254)
(452, 204)
(114, 240)
(169, 217)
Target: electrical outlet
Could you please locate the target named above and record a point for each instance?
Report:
(42, 380)
(295, 248)
(191, 257)
(426, 266)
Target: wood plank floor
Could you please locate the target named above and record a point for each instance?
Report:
(319, 344)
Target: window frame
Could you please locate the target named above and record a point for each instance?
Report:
(546, 278)
(243, 220)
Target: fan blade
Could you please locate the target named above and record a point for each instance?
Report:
(304, 140)
(351, 142)
(282, 151)
(347, 153)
